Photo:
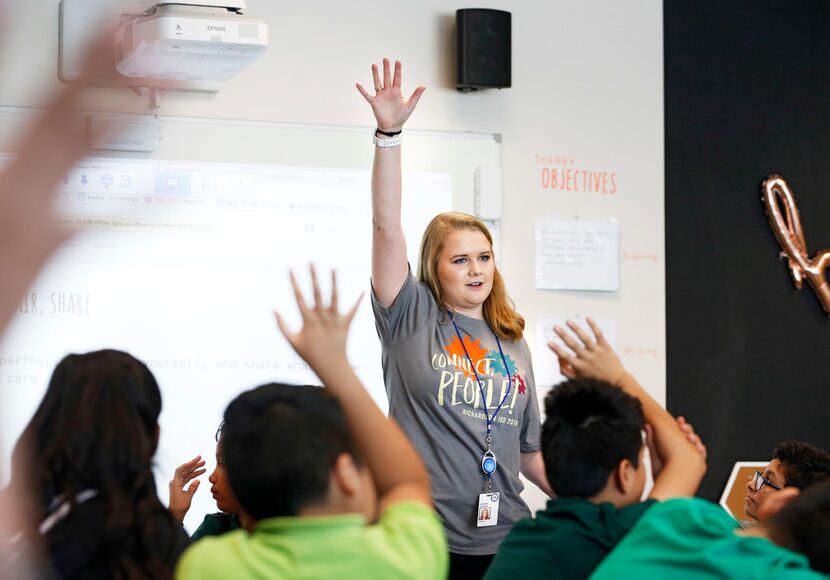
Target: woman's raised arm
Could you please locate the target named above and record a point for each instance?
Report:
(391, 110)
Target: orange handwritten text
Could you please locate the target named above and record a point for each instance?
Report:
(640, 351)
(579, 180)
(639, 257)
(559, 172)
(550, 159)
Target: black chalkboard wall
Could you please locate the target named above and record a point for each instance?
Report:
(747, 94)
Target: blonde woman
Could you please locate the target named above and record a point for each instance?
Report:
(457, 370)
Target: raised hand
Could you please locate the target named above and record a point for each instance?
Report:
(389, 106)
(322, 339)
(181, 498)
(592, 357)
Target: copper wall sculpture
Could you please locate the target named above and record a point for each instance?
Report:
(786, 225)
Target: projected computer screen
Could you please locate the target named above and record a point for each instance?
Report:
(182, 266)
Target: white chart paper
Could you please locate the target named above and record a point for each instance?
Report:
(577, 255)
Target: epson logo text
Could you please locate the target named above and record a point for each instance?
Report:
(216, 28)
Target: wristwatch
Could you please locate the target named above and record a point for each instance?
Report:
(386, 141)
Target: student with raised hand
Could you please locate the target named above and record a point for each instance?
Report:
(84, 466)
(679, 451)
(456, 367)
(593, 452)
(183, 487)
(313, 467)
(695, 539)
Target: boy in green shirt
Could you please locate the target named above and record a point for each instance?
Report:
(593, 451)
(301, 462)
(690, 539)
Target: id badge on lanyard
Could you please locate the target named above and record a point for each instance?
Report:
(488, 509)
(487, 512)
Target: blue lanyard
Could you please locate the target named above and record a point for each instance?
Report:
(478, 381)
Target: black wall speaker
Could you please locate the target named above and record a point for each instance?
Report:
(483, 50)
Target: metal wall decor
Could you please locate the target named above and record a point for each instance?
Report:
(782, 212)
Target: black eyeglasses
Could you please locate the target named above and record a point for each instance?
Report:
(759, 481)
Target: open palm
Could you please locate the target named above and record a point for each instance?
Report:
(391, 109)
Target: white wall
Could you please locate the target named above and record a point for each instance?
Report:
(587, 85)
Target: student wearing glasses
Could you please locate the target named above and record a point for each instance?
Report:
(793, 464)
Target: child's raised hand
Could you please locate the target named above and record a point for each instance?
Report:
(322, 339)
(592, 356)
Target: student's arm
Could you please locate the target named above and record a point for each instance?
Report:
(692, 437)
(389, 262)
(683, 465)
(29, 228)
(396, 467)
(532, 467)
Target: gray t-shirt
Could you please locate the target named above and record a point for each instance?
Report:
(434, 397)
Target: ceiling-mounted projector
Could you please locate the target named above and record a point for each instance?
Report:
(184, 45)
(189, 42)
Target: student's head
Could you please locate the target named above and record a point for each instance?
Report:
(802, 524)
(97, 429)
(592, 444)
(794, 464)
(458, 265)
(288, 452)
(220, 487)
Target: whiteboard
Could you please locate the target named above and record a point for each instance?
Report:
(182, 260)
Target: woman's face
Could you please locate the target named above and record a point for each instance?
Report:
(465, 271)
(220, 486)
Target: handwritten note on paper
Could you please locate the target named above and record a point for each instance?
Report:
(545, 363)
(577, 255)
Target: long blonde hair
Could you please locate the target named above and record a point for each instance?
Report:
(498, 309)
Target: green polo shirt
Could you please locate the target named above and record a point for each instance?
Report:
(567, 540)
(690, 539)
(407, 542)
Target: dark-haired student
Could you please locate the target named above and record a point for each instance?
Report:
(593, 451)
(313, 467)
(183, 487)
(85, 465)
(694, 539)
(794, 464)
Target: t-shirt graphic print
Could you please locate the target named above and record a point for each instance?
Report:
(434, 396)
